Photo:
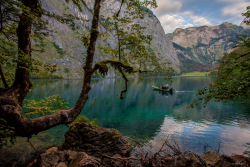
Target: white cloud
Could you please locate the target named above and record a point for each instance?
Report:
(234, 10)
(166, 7)
(197, 20)
(170, 23)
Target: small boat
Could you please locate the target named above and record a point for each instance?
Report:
(164, 90)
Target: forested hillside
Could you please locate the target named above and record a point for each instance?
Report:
(189, 65)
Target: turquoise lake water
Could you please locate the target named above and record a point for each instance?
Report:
(150, 117)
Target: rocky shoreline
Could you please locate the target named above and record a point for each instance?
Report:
(89, 145)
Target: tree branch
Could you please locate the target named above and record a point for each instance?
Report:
(126, 83)
(103, 69)
(118, 13)
(10, 108)
(243, 55)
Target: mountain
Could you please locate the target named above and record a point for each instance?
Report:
(204, 44)
(63, 46)
(244, 25)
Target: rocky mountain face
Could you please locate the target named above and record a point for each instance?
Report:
(244, 25)
(63, 46)
(210, 42)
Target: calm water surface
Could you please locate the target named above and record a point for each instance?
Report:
(150, 117)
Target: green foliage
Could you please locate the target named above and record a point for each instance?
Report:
(243, 39)
(77, 3)
(6, 133)
(247, 14)
(59, 50)
(85, 40)
(66, 70)
(9, 77)
(103, 68)
(44, 75)
(11, 10)
(232, 81)
(45, 106)
(82, 119)
(133, 45)
(190, 65)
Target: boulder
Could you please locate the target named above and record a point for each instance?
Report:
(225, 161)
(186, 159)
(211, 157)
(218, 160)
(95, 141)
(67, 158)
(241, 160)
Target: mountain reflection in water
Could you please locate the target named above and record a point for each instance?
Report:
(150, 116)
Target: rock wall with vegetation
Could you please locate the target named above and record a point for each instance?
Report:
(195, 43)
(64, 47)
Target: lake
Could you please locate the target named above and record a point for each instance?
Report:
(150, 116)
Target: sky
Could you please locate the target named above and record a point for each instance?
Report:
(192, 13)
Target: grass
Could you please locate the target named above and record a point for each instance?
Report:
(195, 73)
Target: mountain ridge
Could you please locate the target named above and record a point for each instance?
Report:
(204, 41)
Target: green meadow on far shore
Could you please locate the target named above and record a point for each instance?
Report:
(196, 73)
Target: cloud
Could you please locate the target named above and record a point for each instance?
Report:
(171, 22)
(167, 7)
(232, 10)
(235, 9)
(197, 20)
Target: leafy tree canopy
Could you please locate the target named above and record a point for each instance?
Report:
(232, 79)
(28, 21)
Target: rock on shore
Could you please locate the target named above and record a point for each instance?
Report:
(94, 140)
(85, 145)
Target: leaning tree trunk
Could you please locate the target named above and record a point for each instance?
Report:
(22, 83)
(11, 101)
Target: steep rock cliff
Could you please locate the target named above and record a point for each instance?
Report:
(210, 42)
(64, 47)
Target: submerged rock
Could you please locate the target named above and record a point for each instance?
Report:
(95, 140)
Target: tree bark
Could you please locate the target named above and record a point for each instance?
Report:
(3, 77)
(1, 17)
(22, 83)
(10, 109)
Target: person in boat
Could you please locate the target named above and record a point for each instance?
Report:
(166, 86)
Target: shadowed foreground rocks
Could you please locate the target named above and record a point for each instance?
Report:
(95, 141)
(84, 146)
(67, 158)
(87, 145)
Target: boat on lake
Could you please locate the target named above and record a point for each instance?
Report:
(164, 90)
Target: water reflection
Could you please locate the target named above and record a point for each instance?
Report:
(150, 116)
